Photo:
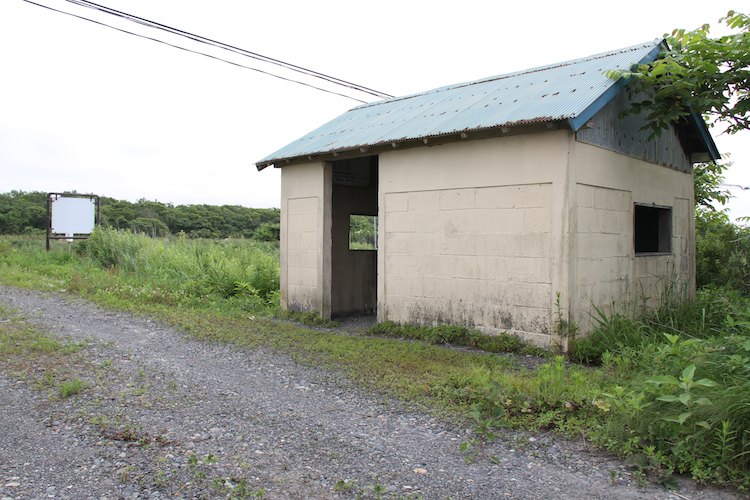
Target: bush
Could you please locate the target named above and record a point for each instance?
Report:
(267, 232)
(681, 385)
(688, 409)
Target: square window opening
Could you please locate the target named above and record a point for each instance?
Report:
(363, 232)
(652, 229)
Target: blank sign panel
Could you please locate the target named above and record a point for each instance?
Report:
(73, 215)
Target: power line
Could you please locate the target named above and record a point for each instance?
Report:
(197, 52)
(231, 48)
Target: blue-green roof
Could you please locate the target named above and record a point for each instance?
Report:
(571, 92)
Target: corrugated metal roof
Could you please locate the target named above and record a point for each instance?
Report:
(571, 91)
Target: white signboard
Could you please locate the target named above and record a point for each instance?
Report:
(73, 215)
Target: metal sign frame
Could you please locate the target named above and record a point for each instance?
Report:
(76, 236)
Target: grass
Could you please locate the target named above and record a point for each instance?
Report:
(640, 398)
(458, 335)
(42, 359)
(308, 319)
(70, 387)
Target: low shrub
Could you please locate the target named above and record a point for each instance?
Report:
(113, 248)
(680, 391)
(611, 332)
(687, 408)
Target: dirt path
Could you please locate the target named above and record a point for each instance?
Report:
(167, 416)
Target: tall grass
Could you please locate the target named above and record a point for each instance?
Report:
(681, 392)
(235, 273)
(199, 267)
(705, 317)
(185, 269)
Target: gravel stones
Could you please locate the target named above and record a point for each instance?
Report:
(168, 416)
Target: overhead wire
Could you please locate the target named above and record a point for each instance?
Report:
(225, 46)
(268, 73)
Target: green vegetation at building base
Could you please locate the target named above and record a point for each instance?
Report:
(670, 389)
(309, 319)
(458, 335)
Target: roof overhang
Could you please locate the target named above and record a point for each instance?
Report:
(435, 140)
(696, 139)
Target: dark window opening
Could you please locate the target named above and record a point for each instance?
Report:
(653, 229)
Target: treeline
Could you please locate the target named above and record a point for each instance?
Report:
(22, 213)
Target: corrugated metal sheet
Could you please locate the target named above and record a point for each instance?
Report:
(564, 91)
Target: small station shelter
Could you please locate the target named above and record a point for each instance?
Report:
(504, 204)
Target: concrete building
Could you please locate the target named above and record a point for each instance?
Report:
(504, 204)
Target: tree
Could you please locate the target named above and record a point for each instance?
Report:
(267, 232)
(697, 73)
(708, 179)
(22, 212)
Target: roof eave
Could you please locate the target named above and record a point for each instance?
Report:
(524, 126)
(705, 135)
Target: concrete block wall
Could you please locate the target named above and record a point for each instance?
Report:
(469, 236)
(604, 240)
(305, 228)
(470, 256)
(605, 271)
(302, 253)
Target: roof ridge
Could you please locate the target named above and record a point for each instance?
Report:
(537, 69)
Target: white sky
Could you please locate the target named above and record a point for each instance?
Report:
(87, 108)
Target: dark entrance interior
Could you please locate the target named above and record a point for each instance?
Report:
(653, 229)
(354, 255)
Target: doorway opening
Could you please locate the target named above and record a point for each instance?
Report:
(354, 227)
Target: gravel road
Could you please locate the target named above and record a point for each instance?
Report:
(167, 416)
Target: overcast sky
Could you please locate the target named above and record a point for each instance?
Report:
(87, 108)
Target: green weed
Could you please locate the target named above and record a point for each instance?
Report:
(70, 388)
(344, 485)
(309, 319)
(457, 335)
(682, 399)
